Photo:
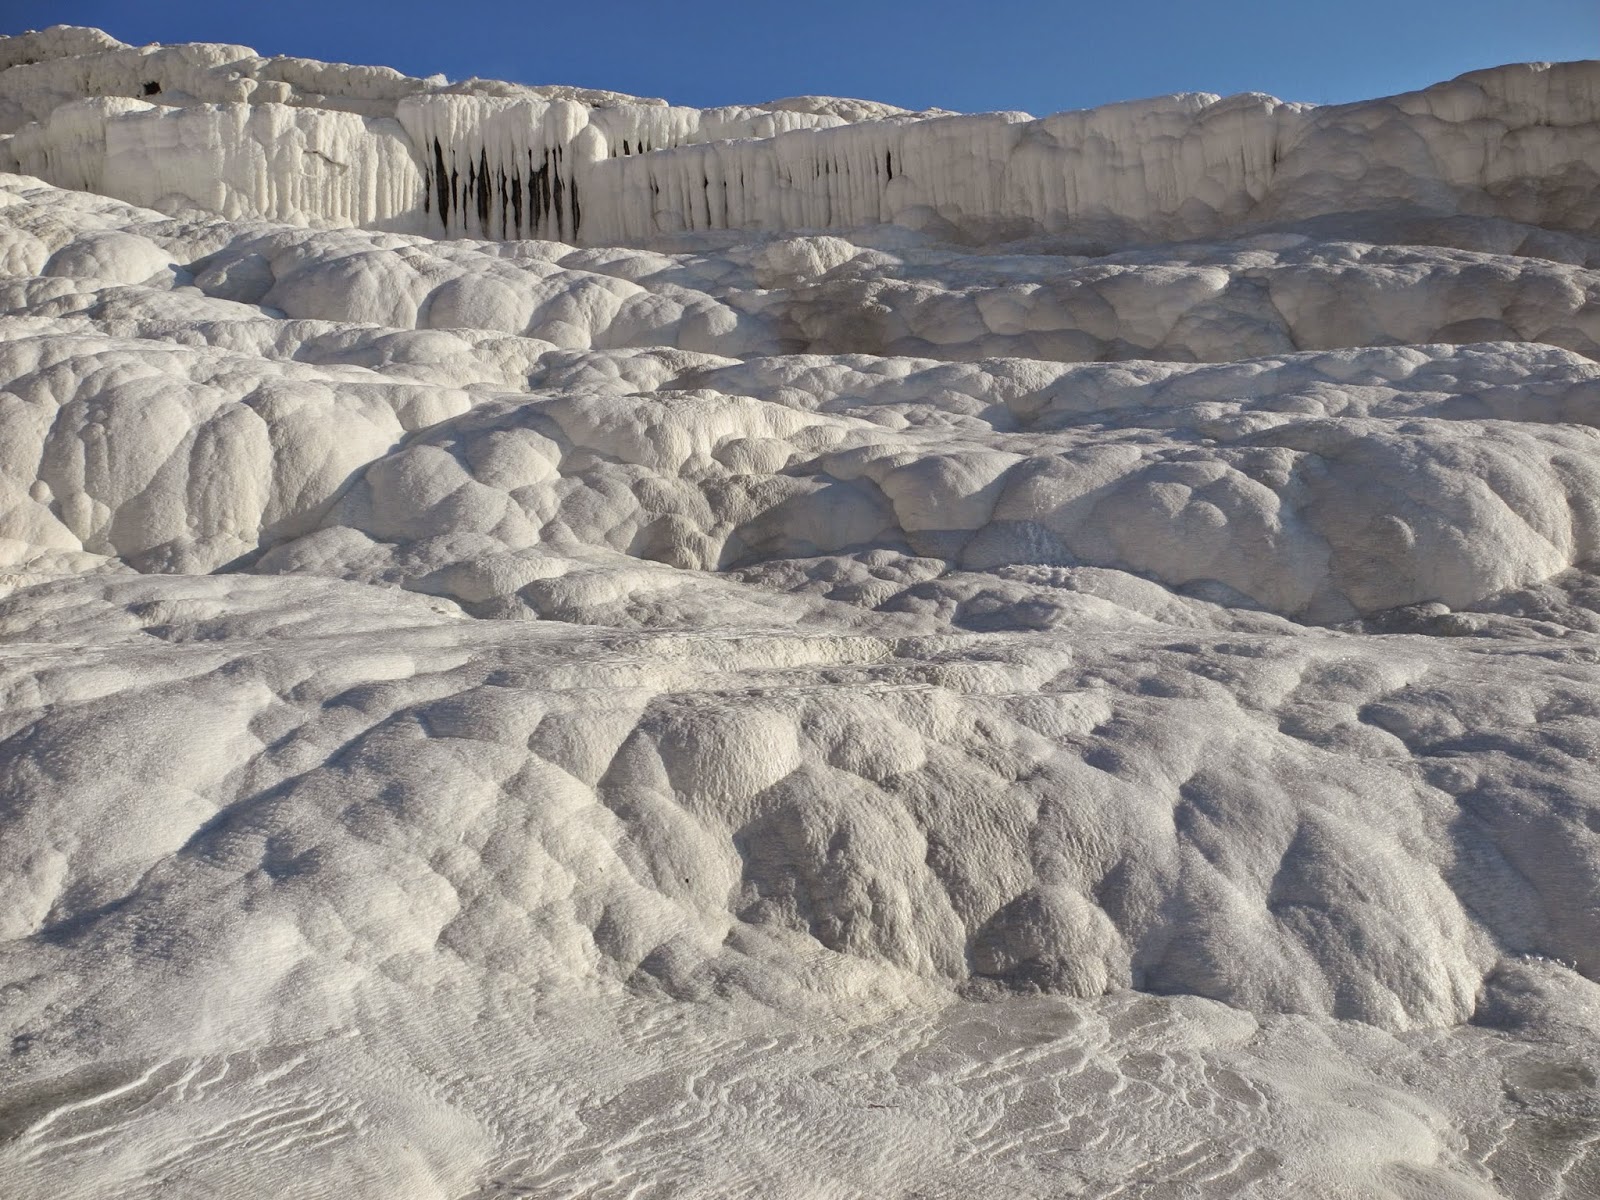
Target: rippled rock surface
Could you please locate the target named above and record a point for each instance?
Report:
(557, 645)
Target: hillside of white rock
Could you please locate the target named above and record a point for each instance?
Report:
(556, 645)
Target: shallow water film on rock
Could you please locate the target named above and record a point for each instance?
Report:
(556, 645)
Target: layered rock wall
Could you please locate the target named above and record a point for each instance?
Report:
(217, 128)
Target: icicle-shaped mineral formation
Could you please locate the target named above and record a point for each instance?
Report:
(219, 128)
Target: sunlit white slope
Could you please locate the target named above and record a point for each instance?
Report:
(867, 709)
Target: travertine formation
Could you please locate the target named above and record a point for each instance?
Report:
(557, 645)
(218, 128)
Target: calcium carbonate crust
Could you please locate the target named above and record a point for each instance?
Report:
(1071, 670)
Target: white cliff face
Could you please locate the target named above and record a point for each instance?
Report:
(220, 129)
(560, 645)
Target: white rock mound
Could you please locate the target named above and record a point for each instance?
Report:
(561, 645)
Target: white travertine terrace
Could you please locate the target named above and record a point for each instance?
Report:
(554, 644)
(217, 128)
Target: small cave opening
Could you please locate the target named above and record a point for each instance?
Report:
(152, 88)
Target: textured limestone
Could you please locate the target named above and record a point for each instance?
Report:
(881, 687)
(218, 128)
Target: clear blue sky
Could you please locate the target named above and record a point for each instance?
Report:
(1037, 55)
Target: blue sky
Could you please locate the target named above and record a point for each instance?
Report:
(973, 55)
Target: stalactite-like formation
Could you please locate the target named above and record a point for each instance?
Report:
(375, 149)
